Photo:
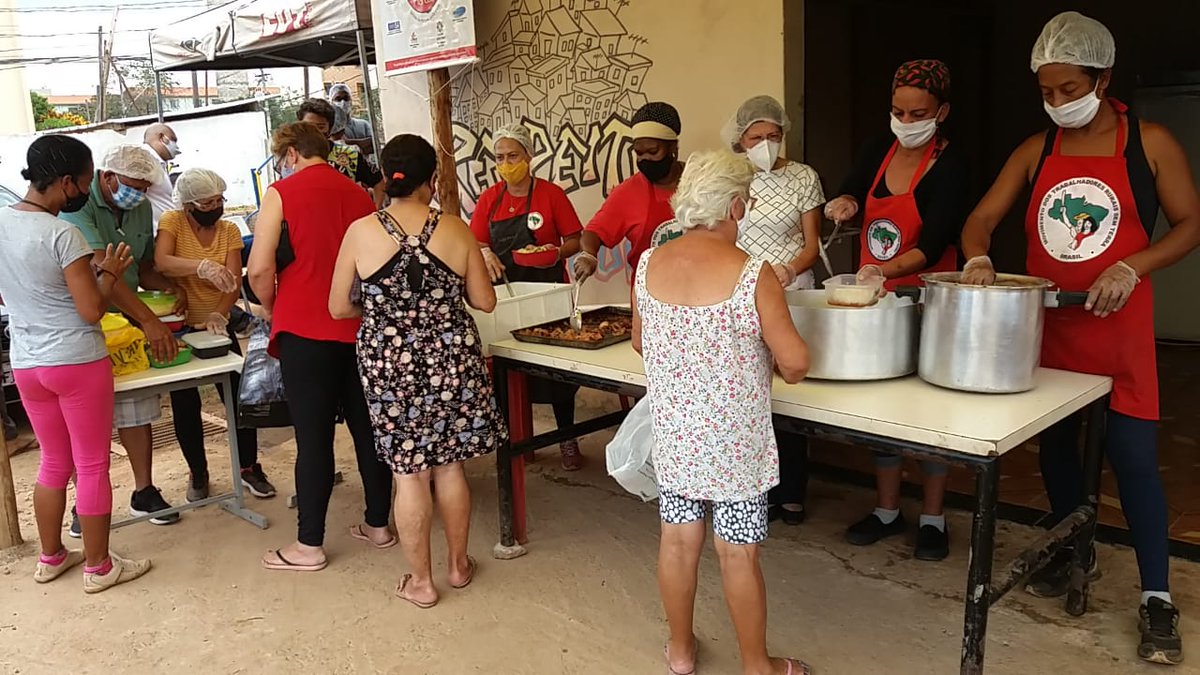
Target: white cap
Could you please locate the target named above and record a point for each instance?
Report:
(516, 132)
(1074, 39)
(132, 161)
(196, 185)
(756, 109)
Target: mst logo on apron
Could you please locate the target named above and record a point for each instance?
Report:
(1077, 219)
(884, 239)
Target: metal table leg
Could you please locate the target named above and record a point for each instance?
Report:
(1093, 462)
(237, 503)
(979, 575)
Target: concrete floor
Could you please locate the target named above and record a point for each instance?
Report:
(583, 601)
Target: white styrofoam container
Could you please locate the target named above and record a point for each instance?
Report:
(533, 304)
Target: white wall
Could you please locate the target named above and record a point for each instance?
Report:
(16, 115)
(231, 145)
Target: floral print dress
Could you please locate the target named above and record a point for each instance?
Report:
(709, 376)
(424, 376)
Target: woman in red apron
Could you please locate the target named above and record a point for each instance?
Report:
(636, 207)
(1098, 181)
(521, 211)
(912, 187)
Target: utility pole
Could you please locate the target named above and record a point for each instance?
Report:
(99, 116)
(195, 89)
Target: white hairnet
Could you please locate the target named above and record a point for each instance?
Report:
(516, 132)
(335, 88)
(1076, 40)
(132, 161)
(756, 109)
(196, 185)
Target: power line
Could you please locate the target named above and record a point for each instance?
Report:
(158, 5)
(90, 33)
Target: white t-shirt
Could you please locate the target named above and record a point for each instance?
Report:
(35, 248)
(160, 192)
(773, 231)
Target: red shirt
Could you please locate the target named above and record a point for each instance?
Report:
(319, 203)
(624, 213)
(550, 200)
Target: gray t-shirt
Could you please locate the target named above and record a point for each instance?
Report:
(47, 330)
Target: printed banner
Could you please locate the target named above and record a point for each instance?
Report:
(426, 34)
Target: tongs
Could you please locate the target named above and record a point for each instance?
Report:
(576, 315)
(507, 286)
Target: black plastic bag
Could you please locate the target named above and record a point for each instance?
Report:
(261, 401)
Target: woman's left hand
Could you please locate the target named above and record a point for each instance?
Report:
(216, 323)
(1112, 289)
(785, 274)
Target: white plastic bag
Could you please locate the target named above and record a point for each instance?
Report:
(630, 453)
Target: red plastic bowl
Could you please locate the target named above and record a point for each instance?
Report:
(545, 258)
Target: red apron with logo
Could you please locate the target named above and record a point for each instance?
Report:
(1081, 220)
(892, 225)
(657, 213)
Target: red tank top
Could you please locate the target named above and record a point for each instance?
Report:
(318, 204)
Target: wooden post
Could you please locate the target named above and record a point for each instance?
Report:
(10, 530)
(443, 141)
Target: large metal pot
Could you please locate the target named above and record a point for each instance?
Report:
(985, 338)
(856, 343)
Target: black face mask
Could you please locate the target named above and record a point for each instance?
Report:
(208, 218)
(656, 169)
(77, 202)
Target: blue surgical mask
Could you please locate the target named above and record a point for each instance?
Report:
(127, 198)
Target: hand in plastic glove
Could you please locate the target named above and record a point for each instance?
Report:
(1112, 289)
(979, 271)
(585, 266)
(216, 323)
(785, 274)
(841, 209)
(872, 274)
(492, 262)
(217, 275)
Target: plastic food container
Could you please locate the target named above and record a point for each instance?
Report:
(538, 256)
(173, 322)
(159, 302)
(532, 304)
(207, 345)
(846, 290)
(185, 355)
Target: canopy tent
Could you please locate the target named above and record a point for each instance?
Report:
(247, 34)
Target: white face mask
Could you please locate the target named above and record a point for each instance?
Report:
(344, 105)
(172, 148)
(764, 154)
(914, 134)
(1077, 113)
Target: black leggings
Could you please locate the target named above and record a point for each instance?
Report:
(793, 470)
(560, 396)
(189, 431)
(320, 380)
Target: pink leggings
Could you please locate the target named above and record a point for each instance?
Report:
(71, 410)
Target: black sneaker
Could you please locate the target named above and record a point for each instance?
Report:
(1158, 620)
(149, 500)
(254, 480)
(1053, 580)
(871, 529)
(933, 544)
(197, 487)
(76, 530)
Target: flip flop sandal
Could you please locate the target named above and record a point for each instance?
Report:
(404, 584)
(473, 566)
(356, 531)
(667, 658)
(793, 665)
(288, 566)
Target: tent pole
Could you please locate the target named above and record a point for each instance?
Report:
(443, 140)
(158, 99)
(363, 63)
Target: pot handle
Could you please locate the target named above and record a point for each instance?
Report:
(917, 293)
(1059, 299)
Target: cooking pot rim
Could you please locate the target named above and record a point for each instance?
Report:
(1027, 283)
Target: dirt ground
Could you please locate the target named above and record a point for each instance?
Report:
(584, 600)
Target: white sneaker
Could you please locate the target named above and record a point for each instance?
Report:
(123, 570)
(44, 573)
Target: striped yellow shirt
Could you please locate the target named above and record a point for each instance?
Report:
(203, 298)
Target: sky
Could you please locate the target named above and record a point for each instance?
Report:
(66, 30)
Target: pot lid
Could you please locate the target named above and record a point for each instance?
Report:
(1003, 281)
